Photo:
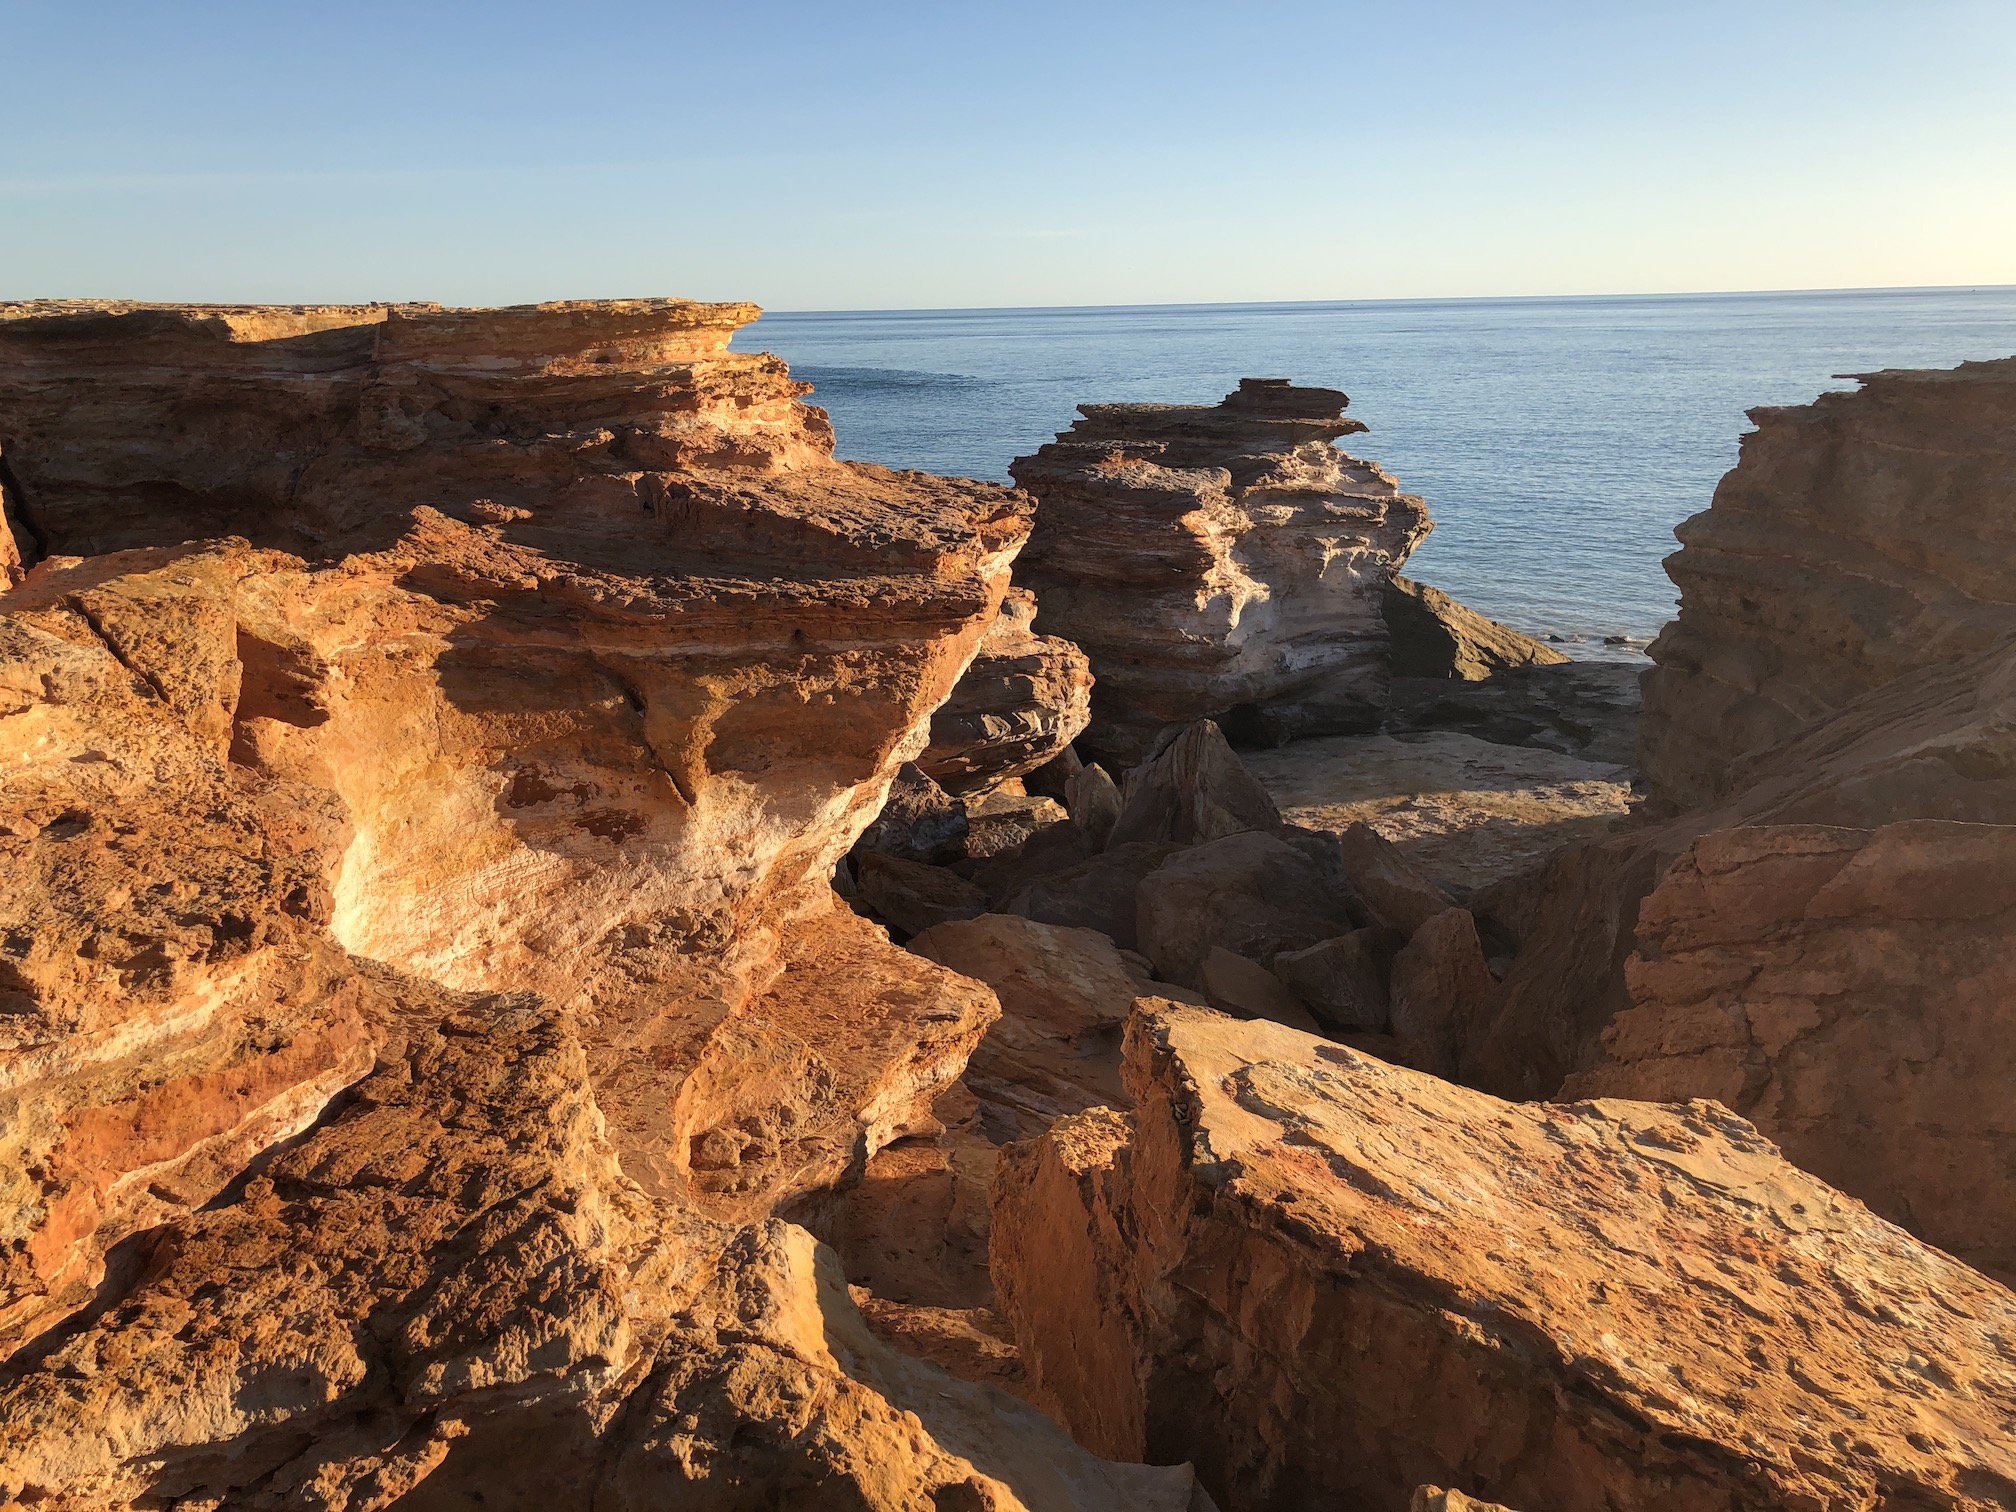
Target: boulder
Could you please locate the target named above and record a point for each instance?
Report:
(911, 896)
(1253, 893)
(1860, 539)
(1434, 636)
(1219, 562)
(1005, 821)
(1344, 980)
(1021, 703)
(1192, 791)
(1392, 889)
(919, 821)
(1331, 1280)
(1093, 799)
(1440, 987)
(1096, 893)
(1246, 989)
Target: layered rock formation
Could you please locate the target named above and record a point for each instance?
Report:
(1219, 561)
(1859, 546)
(1022, 702)
(1860, 538)
(421, 981)
(1329, 1279)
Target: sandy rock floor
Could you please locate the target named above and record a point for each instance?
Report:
(1468, 811)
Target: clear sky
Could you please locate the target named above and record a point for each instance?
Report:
(854, 154)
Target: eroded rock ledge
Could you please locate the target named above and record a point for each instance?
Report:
(421, 981)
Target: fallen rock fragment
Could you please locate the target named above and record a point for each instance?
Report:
(1434, 636)
(1096, 893)
(1093, 799)
(1396, 892)
(1254, 894)
(1006, 821)
(1344, 981)
(1325, 1277)
(1440, 986)
(1194, 790)
(919, 822)
(1246, 989)
(912, 896)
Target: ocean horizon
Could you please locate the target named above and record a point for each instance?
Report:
(1557, 439)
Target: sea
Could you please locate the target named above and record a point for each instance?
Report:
(1557, 441)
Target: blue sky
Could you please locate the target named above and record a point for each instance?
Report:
(863, 155)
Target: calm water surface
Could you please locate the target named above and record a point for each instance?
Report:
(1557, 441)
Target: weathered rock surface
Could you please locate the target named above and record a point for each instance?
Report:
(1025, 699)
(1219, 562)
(1253, 894)
(1466, 812)
(421, 984)
(1861, 538)
(1195, 789)
(1434, 636)
(1853, 993)
(1585, 709)
(1064, 995)
(1936, 747)
(1330, 1278)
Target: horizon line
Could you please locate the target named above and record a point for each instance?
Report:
(1416, 299)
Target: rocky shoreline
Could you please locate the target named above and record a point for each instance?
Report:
(561, 947)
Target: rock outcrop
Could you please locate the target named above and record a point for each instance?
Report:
(1021, 704)
(1328, 1279)
(1861, 538)
(1853, 993)
(1830, 1006)
(1219, 561)
(421, 981)
(1434, 636)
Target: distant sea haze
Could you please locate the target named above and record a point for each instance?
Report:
(1557, 441)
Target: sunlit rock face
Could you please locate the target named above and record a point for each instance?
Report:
(1219, 561)
(1862, 538)
(1329, 1280)
(426, 737)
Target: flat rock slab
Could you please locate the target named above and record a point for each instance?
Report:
(1331, 1280)
(1466, 811)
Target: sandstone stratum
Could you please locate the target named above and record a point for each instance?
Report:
(561, 947)
(1221, 562)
